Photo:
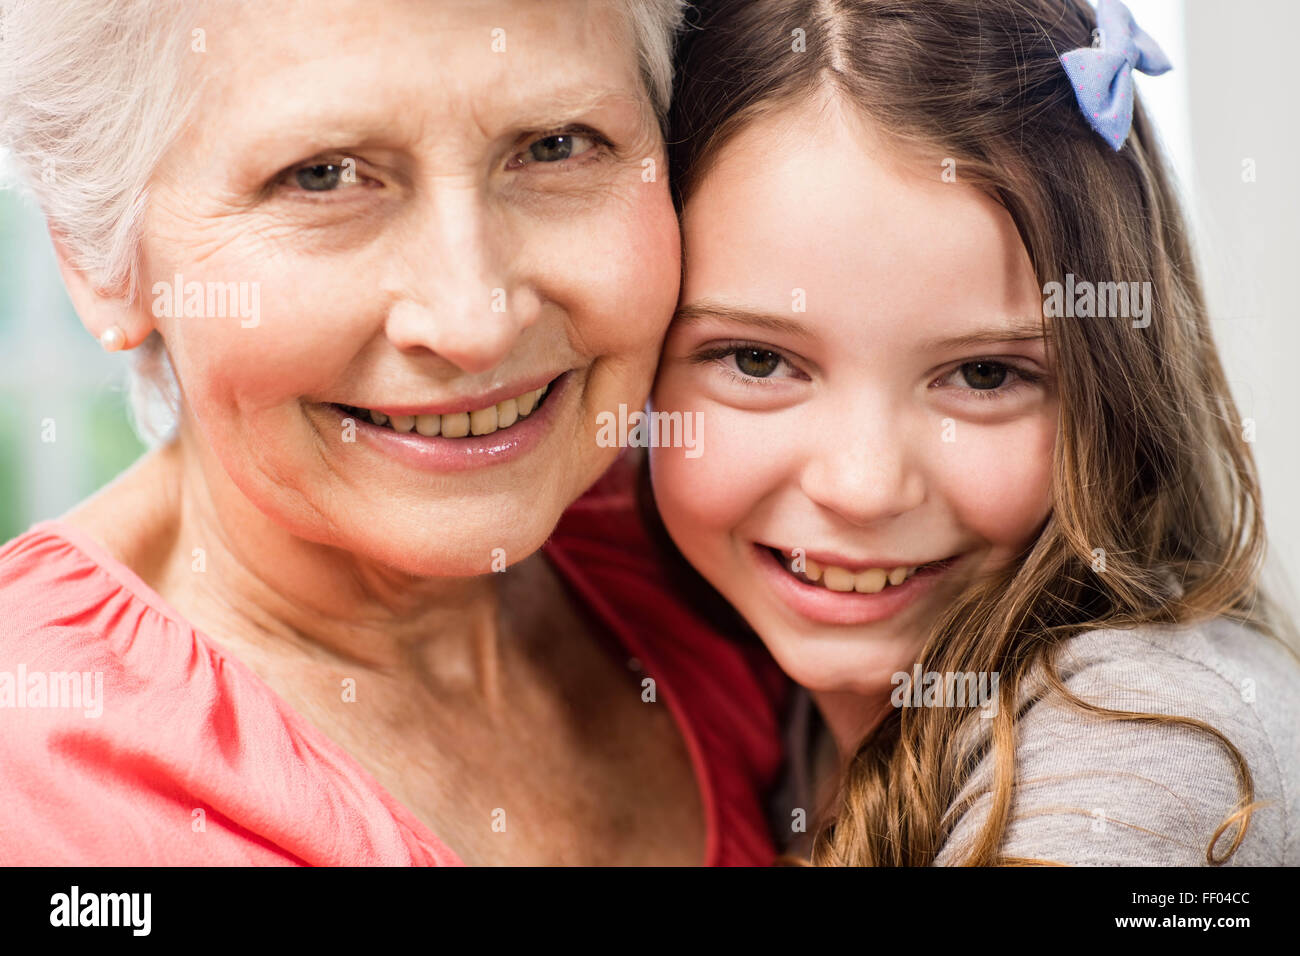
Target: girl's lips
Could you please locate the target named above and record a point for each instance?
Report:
(442, 455)
(820, 604)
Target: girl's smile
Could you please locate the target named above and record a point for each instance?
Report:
(833, 593)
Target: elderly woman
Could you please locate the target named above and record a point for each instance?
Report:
(398, 256)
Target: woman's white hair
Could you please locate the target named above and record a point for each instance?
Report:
(90, 100)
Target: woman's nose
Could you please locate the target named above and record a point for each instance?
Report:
(463, 298)
(865, 473)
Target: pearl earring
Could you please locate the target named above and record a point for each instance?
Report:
(113, 339)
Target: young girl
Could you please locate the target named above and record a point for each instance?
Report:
(971, 469)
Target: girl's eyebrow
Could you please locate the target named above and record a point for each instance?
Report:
(755, 318)
(1017, 331)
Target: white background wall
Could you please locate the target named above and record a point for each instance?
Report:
(1242, 91)
(1230, 98)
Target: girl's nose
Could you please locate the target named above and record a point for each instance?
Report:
(864, 474)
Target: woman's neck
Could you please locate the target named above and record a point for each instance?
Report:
(177, 520)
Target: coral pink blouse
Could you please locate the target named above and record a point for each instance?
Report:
(194, 760)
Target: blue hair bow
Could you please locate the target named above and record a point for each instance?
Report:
(1102, 75)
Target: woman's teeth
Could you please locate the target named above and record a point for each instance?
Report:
(482, 421)
(867, 581)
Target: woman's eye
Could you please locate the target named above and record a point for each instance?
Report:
(319, 178)
(556, 148)
(323, 177)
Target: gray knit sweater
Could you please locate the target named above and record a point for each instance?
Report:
(1092, 792)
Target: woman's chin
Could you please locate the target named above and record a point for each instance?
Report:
(465, 552)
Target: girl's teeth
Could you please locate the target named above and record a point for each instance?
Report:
(837, 579)
(870, 581)
(483, 421)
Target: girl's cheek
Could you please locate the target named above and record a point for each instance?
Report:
(701, 493)
(999, 481)
(741, 457)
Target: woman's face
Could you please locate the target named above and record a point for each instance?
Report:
(422, 208)
(847, 336)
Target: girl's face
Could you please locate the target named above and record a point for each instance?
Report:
(862, 342)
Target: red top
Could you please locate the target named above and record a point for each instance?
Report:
(183, 756)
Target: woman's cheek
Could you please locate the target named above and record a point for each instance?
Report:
(615, 272)
(281, 327)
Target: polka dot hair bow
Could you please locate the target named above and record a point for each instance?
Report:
(1102, 75)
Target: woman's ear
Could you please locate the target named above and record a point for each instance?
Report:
(102, 309)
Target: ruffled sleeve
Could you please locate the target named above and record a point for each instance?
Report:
(128, 739)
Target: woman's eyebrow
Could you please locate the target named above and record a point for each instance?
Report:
(767, 321)
(560, 107)
(320, 127)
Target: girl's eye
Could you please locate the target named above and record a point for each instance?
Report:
(756, 363)
(984, 375)
(987, 379)
(747, 363)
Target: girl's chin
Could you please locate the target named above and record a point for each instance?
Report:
(829, 663)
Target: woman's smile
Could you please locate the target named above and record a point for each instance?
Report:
(455, 435)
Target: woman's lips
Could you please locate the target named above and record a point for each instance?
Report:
(440, 454)
(466, 405)
(819, 603)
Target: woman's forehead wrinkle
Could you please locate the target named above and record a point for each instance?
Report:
(532, 67)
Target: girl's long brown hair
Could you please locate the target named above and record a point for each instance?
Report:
(1150, 464)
